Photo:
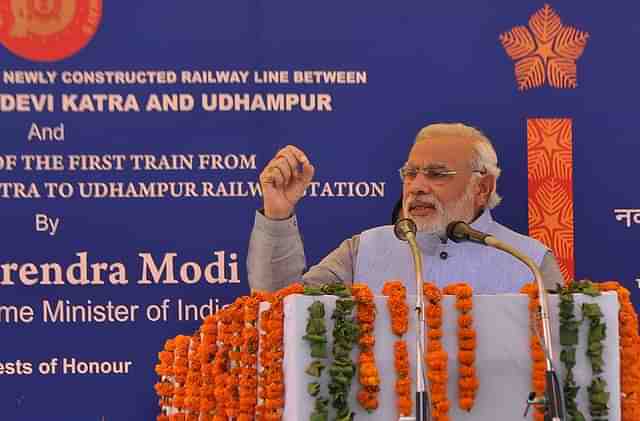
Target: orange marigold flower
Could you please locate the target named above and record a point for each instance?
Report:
(608, 286)
(366, 314)
(464, 305)
(529, 288)
(434, 323)
(367, 340)
(467, 344)
(464, 291)
(394, 288)
(365, 327)
(465, 320)
(366, 357)
(368, 370)
(434, 334)
(469, 383)
(466, 357)
(432, 292)
(434, 311)
(434, 346)
(404, 405)
(466, 371)
(466, 333)
(437, 377)
(443, 407)
(362, 293)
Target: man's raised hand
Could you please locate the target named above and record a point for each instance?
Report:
(284, 181)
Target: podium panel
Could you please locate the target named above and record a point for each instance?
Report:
(503, 360)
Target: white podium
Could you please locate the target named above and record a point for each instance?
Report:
(503, 360)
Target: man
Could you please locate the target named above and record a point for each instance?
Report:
(450, 175)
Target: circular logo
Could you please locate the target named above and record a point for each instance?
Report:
(48, 30)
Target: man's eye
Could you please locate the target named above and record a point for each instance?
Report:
(437, 174)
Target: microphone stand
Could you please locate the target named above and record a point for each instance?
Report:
(405, 229)
(553, 401)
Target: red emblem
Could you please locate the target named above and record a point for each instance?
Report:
(48, 30)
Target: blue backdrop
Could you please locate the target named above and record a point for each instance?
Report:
(423, 62)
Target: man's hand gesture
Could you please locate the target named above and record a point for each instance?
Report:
(284, 181)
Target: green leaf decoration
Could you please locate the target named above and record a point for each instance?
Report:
(313, 388)
(577, 416)
(569, 339)
(568, 357)
(342, 371)
(315, 368)
(322, 404)
(345, 415)
(319, 350)
(315, 339)
(338, 289)
(316, 326)
(590, 289)
(316, 310)
(316, 335)
(597, 332)
(569, 334)
(591, 311)
(319, 416)
(312, 290)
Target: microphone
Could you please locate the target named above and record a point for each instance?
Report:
(459, 231)
(405, 230)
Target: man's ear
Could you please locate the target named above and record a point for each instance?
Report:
(485, 186)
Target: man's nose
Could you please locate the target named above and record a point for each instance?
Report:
(419, 184)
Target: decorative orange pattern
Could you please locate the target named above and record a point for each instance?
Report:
(545, 50)
(550, 180)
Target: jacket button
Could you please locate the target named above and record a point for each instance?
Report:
(444, 255)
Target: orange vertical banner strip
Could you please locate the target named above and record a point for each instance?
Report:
(550, 183)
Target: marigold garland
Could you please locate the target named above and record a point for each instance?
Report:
(368, 371)
(629, 352)
(181, 368)
(198, 374)
(271, 394)
(165, 387)
(220, 366)
(248, 377)
(194, 380)
(206, 352)
(399, 311)
(537, 352)
(436, 357)
(629, 349)
(468, 382)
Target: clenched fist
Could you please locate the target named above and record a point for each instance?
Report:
(284, 181)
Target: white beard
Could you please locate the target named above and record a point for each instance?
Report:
(460, 210)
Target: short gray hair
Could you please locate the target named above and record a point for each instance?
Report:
(485, 157)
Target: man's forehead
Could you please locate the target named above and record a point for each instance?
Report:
(441, 151)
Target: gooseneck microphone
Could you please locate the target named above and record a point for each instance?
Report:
(405, 230)
(459, 231)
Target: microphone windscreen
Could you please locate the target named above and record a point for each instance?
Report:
(457, 231)
(403, 227)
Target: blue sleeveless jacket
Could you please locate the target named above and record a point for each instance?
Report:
(381, 257)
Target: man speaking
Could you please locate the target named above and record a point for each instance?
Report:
(450, 175)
